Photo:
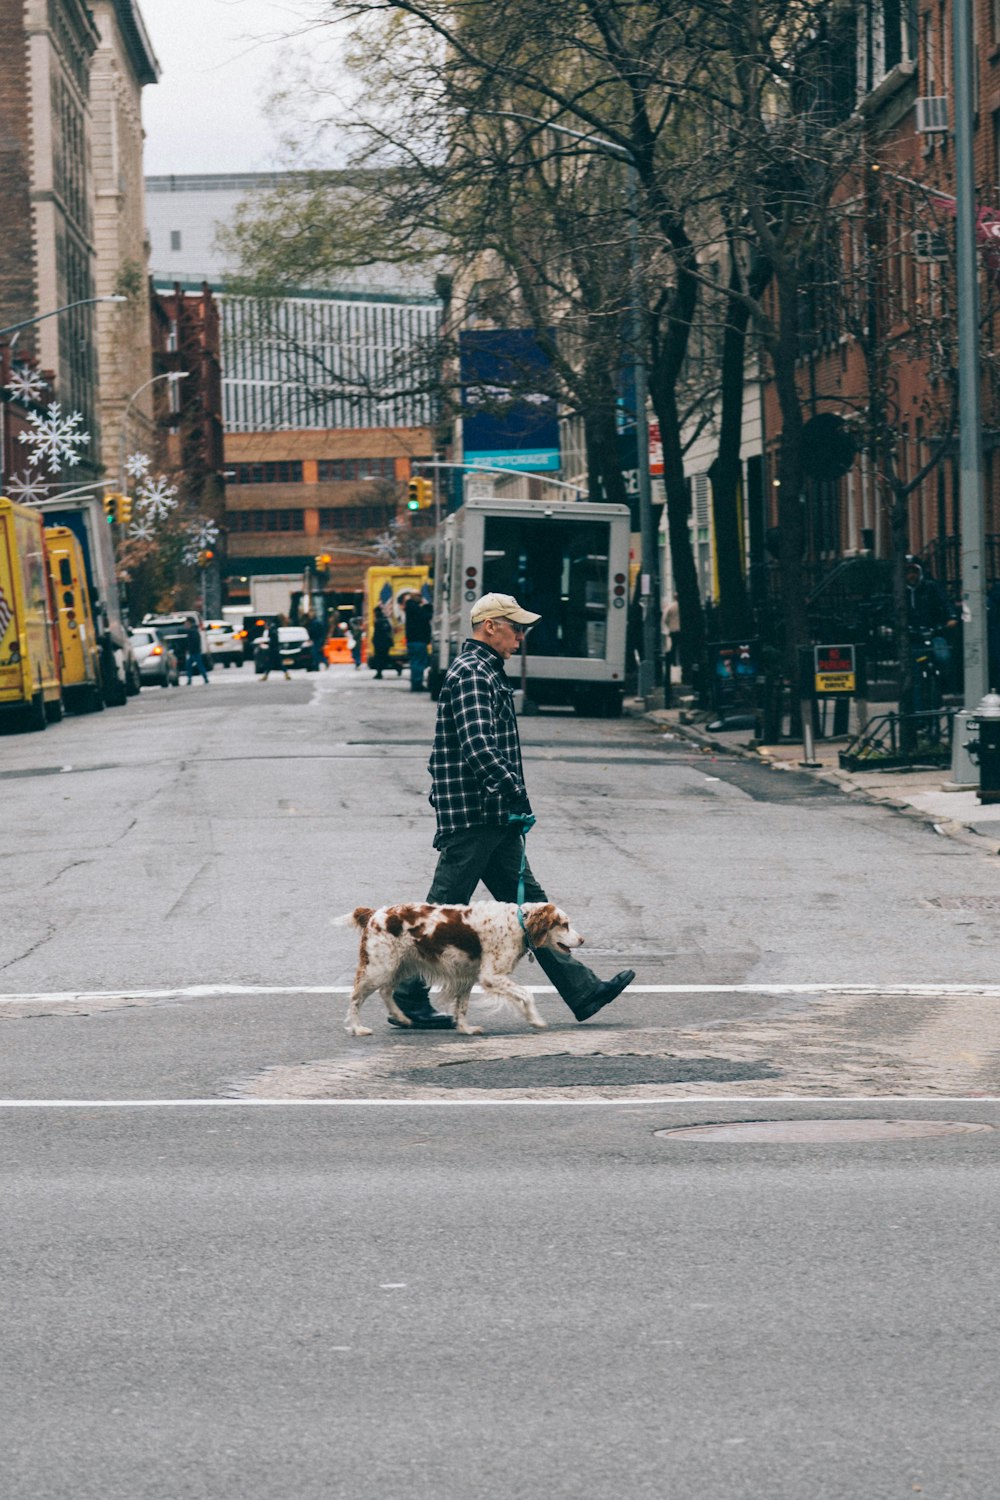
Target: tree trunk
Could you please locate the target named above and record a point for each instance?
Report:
(726, 470)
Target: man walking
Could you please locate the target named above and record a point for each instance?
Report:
(418, 638)
(479, 796)
(194, 660)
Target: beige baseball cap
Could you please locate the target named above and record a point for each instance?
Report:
(501, 607)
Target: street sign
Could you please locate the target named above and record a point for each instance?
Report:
(835, 671)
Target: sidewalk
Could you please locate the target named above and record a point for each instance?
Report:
(920, 793)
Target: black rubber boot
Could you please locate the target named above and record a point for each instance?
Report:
(578, 986)
(414, 1000)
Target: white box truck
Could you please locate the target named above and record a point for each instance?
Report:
(568, 561)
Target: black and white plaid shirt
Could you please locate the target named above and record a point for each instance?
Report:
(475, 765)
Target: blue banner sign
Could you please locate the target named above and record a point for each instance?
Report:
(508, 420)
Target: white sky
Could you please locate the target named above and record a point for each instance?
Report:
(219, 59)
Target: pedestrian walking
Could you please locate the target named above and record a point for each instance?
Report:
(274, 651)
(417, 615)
(481, 804)
(193, 656)
(381, 642)
(671, 630)
(317, 639)
(357, 629)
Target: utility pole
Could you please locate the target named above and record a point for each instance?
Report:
(970, 481)
(970, 420)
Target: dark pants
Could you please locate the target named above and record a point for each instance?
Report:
(196, 663)
(493, 856)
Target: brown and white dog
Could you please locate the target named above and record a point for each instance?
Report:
(454, 946)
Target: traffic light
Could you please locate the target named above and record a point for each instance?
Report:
(111, 508)
(322, 561)
(205, 557)
(419, 494)
(124, 509)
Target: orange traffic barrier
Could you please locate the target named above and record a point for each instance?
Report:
(338, 648)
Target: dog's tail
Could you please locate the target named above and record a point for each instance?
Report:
(359, 917)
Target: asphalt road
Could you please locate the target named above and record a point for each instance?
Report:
(247, 1256)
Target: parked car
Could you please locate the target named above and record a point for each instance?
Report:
(224, 643)
(174, 628)
(254, 626)
(155, 656)
(296, 649)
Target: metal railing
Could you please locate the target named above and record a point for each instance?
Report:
(896, 740)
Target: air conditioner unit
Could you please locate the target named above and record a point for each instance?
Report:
(932, 114)
(930, 245)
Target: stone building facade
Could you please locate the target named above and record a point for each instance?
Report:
(72, 201)
(122, 66)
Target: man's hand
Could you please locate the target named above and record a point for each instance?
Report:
(520, 806)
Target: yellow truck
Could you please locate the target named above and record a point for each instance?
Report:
(81, 652)
(30, 686)
(386, 588)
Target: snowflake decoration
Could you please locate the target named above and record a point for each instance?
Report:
(26, 384)
(28, 488)
(137, 465)
(204, 532)
(156, 498)
(55, 437)
(141, 529)
(201, 534)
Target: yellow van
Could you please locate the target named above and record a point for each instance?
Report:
(81, 654)
(385, 588)
(30, 687)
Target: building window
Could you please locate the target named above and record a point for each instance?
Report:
(284, 472)
(175, 239)
(356, 517)
(357, 468)
(887, 36)
(265, 520)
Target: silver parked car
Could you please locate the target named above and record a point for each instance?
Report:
(155, 657)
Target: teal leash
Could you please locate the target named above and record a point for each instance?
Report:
(524, 821)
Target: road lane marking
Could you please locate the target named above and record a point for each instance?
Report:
(250, 991)
(813, 1101)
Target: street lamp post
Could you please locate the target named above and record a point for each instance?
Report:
(123, 434)
(648, 592)
(83, 302)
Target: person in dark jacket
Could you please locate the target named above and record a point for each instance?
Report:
(381, 642)
(317, 637)
(274, 652)
(418, 638)
(192, 651)
(482, 808)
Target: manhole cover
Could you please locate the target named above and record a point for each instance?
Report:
(820, 1132)
(563, 1070)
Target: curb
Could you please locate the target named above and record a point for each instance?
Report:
(950, 828)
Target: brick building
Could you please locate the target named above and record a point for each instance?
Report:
(122, 66)
(185, 335)
(892, 246)
(47, 250)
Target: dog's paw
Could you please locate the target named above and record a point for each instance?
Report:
(537, 1024)
(467, 1030)
(359, 1031)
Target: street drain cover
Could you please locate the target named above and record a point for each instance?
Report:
(564, 1070)
(820, 1132)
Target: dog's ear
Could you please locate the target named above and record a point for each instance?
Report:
(540, 922)
(362, 915)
